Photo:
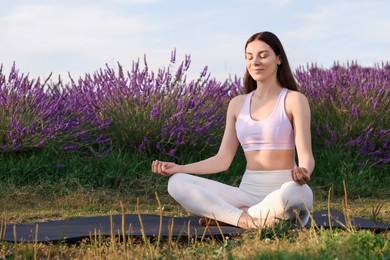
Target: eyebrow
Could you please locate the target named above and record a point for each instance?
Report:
(260, 52)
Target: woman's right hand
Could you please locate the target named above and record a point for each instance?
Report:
(164, 168)
(300, 175)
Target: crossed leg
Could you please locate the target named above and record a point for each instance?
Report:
(228, 205)
(291, 201)
(209, 199)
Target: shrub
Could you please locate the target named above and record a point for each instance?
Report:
(163, 114)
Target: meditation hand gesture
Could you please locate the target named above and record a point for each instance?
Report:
(300, 175)
(164, 168)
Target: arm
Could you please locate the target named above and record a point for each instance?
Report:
(217, 163)
(301, 118)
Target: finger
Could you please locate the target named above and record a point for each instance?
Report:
(307, 178)
(163, 167)
(166, 169)
(298, 176)
(155, 166)
(305, 175)
(302, 177)
(160, 169)
(295, 174)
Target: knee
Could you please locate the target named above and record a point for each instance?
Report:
(297, 195)
(176, 184)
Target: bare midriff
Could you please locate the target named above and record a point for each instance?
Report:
(269, 160)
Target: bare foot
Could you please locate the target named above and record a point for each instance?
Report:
(245, 209)
(204, 221)
(247, 222)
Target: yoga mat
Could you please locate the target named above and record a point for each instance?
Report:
(338, 220)
(76, 229)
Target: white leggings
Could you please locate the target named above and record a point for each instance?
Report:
(271, 193)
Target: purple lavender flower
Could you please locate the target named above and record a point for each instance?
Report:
(155, 113)
(103, 139)
(363, 92)
(173, 56)
(348, 104)
(179, 71)
(16, 145)
(355, 111)
(81, 134)
(187, 62)
(70, 148)
(204, 72)
(172, 152)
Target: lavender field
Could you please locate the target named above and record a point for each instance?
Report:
(161, 114)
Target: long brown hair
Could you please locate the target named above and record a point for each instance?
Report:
(284, 74)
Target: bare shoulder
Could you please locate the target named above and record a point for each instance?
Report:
(295, 98)
(236, 103)
(296, 104)
(237, 100)
(295, 95)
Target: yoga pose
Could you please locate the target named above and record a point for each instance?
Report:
(271, 121)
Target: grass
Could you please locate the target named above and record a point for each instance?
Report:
(30, 204)
(85, 186)
(88, 148)
(125, 170)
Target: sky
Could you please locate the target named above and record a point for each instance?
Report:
(79, 37)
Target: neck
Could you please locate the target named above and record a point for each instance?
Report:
(266, 89)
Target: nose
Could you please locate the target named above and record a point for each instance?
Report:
(256, 60)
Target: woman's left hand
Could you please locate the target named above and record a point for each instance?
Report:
(300, 175)
(164, 168)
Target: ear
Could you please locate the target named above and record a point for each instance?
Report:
(279, 60)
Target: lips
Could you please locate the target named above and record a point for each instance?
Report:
(257, 70)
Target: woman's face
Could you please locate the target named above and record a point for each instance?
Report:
(261, 61)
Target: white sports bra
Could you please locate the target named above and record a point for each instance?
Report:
(272, 133)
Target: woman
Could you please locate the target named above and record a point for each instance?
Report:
(271, 121)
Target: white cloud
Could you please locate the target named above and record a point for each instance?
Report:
(282, 3)
(90, 34)
(47, 28)
(340, 31)
(136, 2)
(81, 36)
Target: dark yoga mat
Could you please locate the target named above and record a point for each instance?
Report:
(338, 220)
(73, 230)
